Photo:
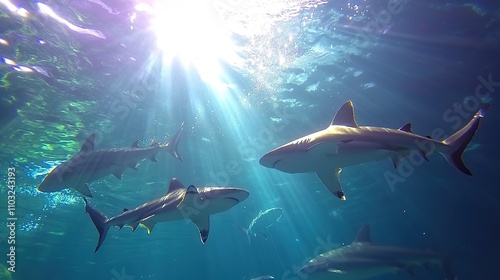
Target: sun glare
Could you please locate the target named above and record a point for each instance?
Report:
(191, 32)
(203, 33)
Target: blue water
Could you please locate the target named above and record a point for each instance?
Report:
(97, 67)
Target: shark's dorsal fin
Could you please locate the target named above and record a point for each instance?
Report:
(135, 144)
(406, 128)
(396, 159)
(125, 209)
(345, 115)
(175, 185)
(363, 235)
(88, 146)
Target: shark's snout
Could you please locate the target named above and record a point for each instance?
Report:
(269, 160)
(223, 194)
(50, 183)
(238, 195)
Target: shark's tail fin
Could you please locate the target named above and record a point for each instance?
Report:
(174, 142)
(245, 231)
(100, 224)
(459, 141)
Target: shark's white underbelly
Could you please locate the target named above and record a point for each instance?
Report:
(314, 161)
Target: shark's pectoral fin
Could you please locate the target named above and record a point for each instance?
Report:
(332, 182)
(404, 153)
(395, 158)
(148, 224)
(425, 154)
(203, 224)
(190, 210)
(84, 189)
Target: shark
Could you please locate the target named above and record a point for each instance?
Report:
(90, 164)
(345, 143)
(263, 221)
(363, 260)
(179, 203)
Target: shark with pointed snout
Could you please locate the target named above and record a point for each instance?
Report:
(90, 164)
(363, 260)
(345, 143)
(179, 203)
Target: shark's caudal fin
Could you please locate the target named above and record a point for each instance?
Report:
(99, 220)
(174, 142)
(459, 141)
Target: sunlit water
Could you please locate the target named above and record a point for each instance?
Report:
(245, 77)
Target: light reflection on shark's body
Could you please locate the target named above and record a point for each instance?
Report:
(89, 164)
(344, 143)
